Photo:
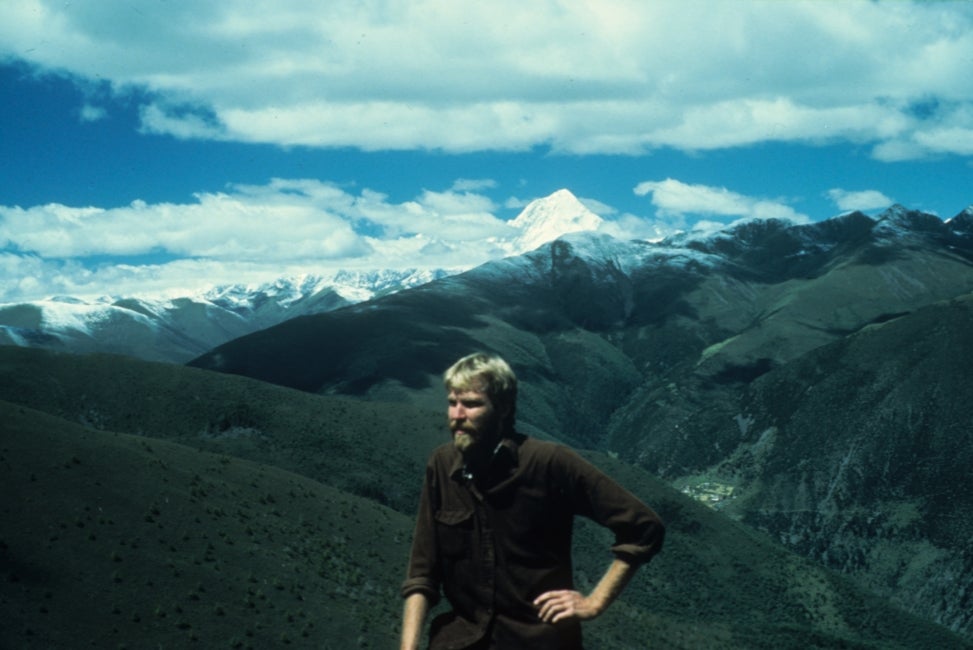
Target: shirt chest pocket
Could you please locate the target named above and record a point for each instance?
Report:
(454, 532)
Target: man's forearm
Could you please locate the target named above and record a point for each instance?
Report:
(413, 616)
(614, 581)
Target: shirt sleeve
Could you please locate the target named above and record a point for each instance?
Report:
(423, 574)
(639, 531)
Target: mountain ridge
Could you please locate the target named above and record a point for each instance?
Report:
(179, 328)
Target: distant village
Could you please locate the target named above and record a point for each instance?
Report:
(710, 493)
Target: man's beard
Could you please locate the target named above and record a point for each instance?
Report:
(470, 440)
(463, 441)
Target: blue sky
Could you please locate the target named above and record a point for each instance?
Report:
(160, 147)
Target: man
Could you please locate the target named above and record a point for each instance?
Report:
(494, 525)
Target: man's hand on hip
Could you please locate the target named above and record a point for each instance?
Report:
(554, 606)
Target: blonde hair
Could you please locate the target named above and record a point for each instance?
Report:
(490, 374)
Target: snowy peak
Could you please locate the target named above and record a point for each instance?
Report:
(962, 224)
(352, 286)
(546, 219)
(899, 220)
(180, 328)
(283, 291)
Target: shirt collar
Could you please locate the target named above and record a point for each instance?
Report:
(505, 458)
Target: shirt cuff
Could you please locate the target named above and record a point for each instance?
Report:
(634, 554)
(422, 586)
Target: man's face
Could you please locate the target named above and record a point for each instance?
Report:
(473, 420)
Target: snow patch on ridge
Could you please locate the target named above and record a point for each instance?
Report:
(60, 315)
(353, 286)
(628, 256)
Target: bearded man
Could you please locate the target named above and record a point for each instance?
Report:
(493, 530)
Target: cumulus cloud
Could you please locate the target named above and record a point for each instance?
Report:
(859, 200)
(180, 122)
(673, 198)
(217, 226)
(283, 220)
(605, 77)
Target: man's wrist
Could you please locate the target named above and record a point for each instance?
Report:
(595, 603)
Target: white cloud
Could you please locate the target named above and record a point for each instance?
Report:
(630, 226)
(185, 125)
(955, 140)
(217, 226)
(899, 149)
(948, 129)
(598, 207)
(515, 203)
(612, 76)
(473, 184)
(91, 113)
(673, 198)
(283, 220)
(741, 122)
(859, 200)
(449, 215)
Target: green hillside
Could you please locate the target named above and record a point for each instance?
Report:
(110, 540)
(133, 541)
(343, 442)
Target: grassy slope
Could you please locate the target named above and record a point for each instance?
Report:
(109, 540)
(331, 439)
(715, 585)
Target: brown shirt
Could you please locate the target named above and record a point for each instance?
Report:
(495, 543)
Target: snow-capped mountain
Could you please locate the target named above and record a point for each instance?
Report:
(303, 294)
(544, 220)
(178, 329)
(182, 328)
